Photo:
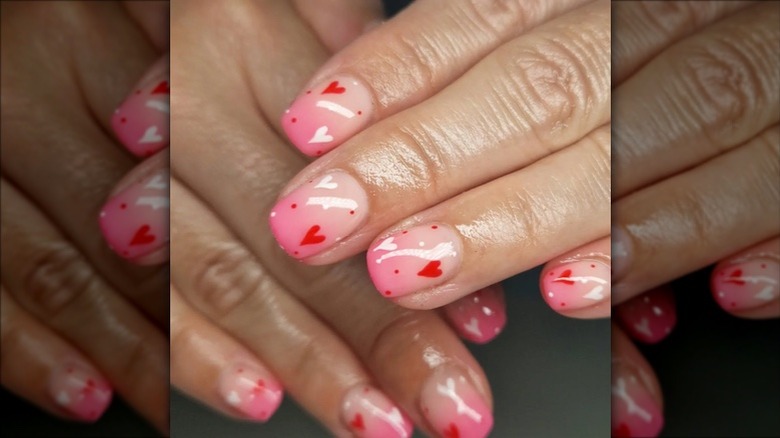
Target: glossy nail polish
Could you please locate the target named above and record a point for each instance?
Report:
(635, 413)
(141, 122)
(414, 259)
(368, 413)
(328, 114)
(319, 214)
(577, 285)
(453, 407)
(480, 316)
(649, 317)
(80, 390)
(135, 221)
(747, 284)
(250, 390)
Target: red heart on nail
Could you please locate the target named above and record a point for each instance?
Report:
(357, 422)
(333, 88)
(142, 236)
(565, 274)
(736, 277)
(311, 237)
(622, 431)
(431, 270)
(162, 88)
(452, 431)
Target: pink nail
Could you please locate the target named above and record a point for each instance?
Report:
(453, 407)
(649, 317)
(370, 414)
(746, 284)
(414, 259)
(319, 214)
(576, 285)
(479, 317)
(142, 121)
(135, 221)
(328, 114)
(250, 390)
(634, 412)
(80, 390)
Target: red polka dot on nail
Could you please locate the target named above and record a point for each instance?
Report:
(318, 152)
(296, 252)
(123, 119)
(240, 370)
(404, 232)
(733, 304)
(123, 206)
(360, 113)
(763, 266)
(294, 206)
(294, 120)
(308, 92)
(352, 212)
(387, 292)
(592, 266)
(563, 304)
(396, 271)
(433, 227)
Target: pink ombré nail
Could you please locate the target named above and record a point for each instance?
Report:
(576, 285)
(649, 317)
(250, 390)
(80, 390)
(480, 316)
(135, 221)
(746, 284)
(453, 407)
(142, 121)
(414, 259)
(635, 413)
(327, 114)
(368, 413)
(319, 214)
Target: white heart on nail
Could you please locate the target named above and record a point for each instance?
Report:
(765, 294)
(233, 399)
(63, 398)
(321, 136)
(473, 327)
(326, 183)
(150, 136)
(595, 293)
(387, 245)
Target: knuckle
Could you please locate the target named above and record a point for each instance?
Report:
(391, 342)
(414, 59)
(499, 15)
(55, 277)
(666, 17)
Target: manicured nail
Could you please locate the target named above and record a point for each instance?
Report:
(319, 214)
(135, 221)
(80, 390)
(414, 259)
(326, 115)
(480, 316)
(368, 413)
(635, 412)
(576, 285)
(622, 249)
(453, 407)
(746, 284)
(649, 317)
(142, 121)
(250, 390)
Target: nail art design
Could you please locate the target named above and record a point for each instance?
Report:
(80, 390)
(142, 121)
(414, 259)
(649, 317)
(747, 284)
(634, 412)
(328, 114)
(135, 221)
(250, 390)
(622, 249)
(453, 407)
(368, 413)
(576, 285)
(479, 317)
(319, 214)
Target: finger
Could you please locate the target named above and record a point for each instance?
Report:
(41, 367)
(214, 368)
(712, 210)
(338, 22)
(153, 17)
(649, 317)
(419, 157)
(578, 283)
(407, 60)
(54, 283)
(637, 403)
(496, 230)
(480, 316)
(747, 284)
(719, 90)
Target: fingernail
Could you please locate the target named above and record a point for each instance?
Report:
(479, 317)
(326, 115)
(141, 122)
(577, 285)
(453, 407)
(635, 412)
(319, 214)
(622, 249)
(368, 413)
(414, 259)
(135, 221)
(80, 390)
(250, 390)
(649, 317)
(746, 284)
